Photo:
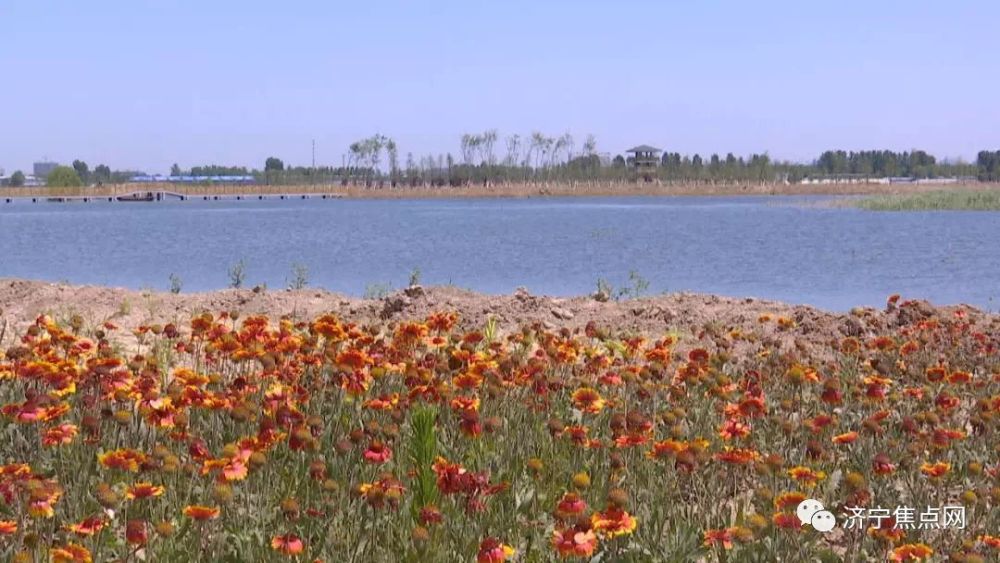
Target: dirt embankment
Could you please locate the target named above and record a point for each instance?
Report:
(594, 189)
(551, 189)
(807, 329)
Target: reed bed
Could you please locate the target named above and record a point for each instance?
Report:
(955, 200)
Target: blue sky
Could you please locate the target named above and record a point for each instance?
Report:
(143, 84)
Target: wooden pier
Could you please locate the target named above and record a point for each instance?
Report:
(138, 193)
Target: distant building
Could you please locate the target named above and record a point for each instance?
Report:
(843, 179)
(43, 169)
(29, 181)
(644, 161)
(159, 179)
(644, 156)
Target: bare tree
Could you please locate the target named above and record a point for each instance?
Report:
(565, 144)
(468, 143)
(513, 150)
(488, 140)
(537, 148)
(590, 145)
(391, 149)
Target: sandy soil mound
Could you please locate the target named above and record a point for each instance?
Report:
(792, 326)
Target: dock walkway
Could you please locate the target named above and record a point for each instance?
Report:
(227, 193)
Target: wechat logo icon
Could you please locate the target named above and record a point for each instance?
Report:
(811, 511)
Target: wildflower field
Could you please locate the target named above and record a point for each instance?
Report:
(243, 438)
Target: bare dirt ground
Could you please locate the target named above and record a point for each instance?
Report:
(811, 331)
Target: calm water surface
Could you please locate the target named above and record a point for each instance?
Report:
(792, 249)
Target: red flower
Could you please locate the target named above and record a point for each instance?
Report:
(136, 533)
(574, 542)
(201, 513)
(378, 453)
(718, 537)
(570, 506)
(491, 550)
(430, 515)
(882, 465)
(88, 527)
(288, 544)
(786, 520)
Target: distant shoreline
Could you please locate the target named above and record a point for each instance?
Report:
(494, 191)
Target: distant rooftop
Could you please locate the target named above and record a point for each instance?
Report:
(644, 148)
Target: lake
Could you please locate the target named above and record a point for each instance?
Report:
(793, 249)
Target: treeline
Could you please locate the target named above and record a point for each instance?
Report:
(989, 166)
(486, 158)
(79, 174)
(888, 164)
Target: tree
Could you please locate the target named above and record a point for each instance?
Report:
(82, 170)
(63, 177)
(175, 170)
(489, 139)
(513, 150)
(102, 173)
(17, 179)
(273, 164)
(393, 151)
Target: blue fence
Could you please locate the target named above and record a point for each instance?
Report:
(157, 178)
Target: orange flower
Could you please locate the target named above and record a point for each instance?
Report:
(123, 460)
(845, 438)
(8, 527)
(665, 448)
(911, 552)
(574, 542)
(60, 435)
(201, 513)
(613, 521)
(629, 440)
(88, 527)
(354, 359)
(44, 494)
(738, 456)
(144, 490)
(588, 400)
(235, 470)
(70, 553)
(733, 428)
(806, 475)
(460, 404)
(784, 501)
(935, 470)
(288, 544)
(718, 537)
